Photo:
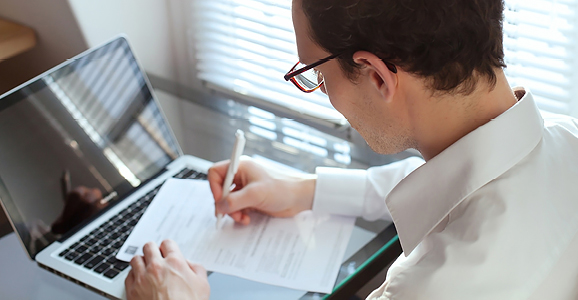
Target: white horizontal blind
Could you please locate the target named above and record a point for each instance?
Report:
(246, 46)
(540, 40)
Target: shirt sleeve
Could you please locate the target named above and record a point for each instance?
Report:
(360, 193)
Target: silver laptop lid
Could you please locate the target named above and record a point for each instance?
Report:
(86, 130)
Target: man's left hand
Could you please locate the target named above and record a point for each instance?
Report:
(164, 273)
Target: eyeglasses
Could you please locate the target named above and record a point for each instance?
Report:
(304, 77)
(307, 79)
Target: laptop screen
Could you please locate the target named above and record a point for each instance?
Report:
(76, 139)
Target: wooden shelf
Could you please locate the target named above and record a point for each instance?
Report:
(15, 39)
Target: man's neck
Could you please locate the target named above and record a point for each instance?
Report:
(445, 119)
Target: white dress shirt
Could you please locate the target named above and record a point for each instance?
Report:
(493, 216)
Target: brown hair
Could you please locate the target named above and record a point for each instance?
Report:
(446, 41)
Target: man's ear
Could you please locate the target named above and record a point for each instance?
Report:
(384, 80)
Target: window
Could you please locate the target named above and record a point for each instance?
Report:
(540, 48)
(244, 47)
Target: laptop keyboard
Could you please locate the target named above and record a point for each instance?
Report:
(96, 251)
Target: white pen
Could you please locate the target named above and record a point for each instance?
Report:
(232, 170)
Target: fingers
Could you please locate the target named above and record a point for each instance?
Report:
(245, 193)
(170, 247)
(216, 176)
(245, 219)
(198, 269)
(217, 173)
(241, 216)
(137, 264)
(241, 199)
(151, 253)
(129, 280)
(236, 216)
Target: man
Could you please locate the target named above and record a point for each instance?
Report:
(491, 214)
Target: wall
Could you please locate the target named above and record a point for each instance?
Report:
(57, 33)
(145, 22)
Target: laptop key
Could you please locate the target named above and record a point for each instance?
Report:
(96, 248)
(120, 265)
(102, 267)
(108, 251)
(71, 255)
(63, 253)
(117, 245)
(181, 173)
(111, 273)
(81, 249)
(106, 241)
(83, 258)
(189, 174)
(94, 262)
(100, 234)
(114, 235)
(112, 259)
(92, 241)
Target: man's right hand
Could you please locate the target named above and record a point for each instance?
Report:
(261, 189)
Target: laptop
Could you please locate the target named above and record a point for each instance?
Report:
(84, 148)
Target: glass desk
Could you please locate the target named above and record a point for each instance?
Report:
(371, 259)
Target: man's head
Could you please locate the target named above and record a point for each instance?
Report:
(444, 41)
(445, 47)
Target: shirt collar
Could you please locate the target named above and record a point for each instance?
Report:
(427, 195)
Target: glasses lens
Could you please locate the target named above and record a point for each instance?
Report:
(310, 79)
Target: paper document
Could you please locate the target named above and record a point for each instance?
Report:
(304, 252)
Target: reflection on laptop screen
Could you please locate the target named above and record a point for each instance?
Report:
(86, 130)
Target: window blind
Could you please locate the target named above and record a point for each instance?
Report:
(540, 49)
(244, 47)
